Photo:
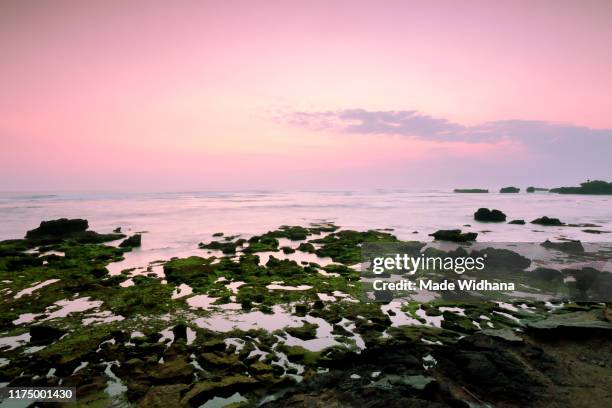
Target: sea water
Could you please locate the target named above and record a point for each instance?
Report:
(174, 223)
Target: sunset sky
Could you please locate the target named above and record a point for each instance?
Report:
(216, 95)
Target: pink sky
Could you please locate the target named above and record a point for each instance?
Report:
(147, 95)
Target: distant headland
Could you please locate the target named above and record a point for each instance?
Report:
(595, 187)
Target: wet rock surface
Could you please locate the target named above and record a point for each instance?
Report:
(256, 329)
(454, 236)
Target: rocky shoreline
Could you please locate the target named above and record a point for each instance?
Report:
(228, 326)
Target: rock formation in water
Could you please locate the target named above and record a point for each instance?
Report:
(506, 190)
(548, 221)
(486, 215)
(471, 190)
(588, 187)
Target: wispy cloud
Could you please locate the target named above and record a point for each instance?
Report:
(529, 149)
(413, 123)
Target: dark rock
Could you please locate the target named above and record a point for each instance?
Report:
(306, 247)
(213, 345)
(470, 190)
(338, 330)
(260, 368)
(547, 221)
(180, 332)
(58, 228)
(594, 231)
(565, 246)
(503, 259)
(506, 190)
(221, 360)
(570, 324)
(178, 369)
(228, 247)
(517, 222)
(301, 309)
(534, 189)
(163, 396)
(219, 387)
(486, 215)
(306, 332)
(454, 236)
(45, 334)
(589, 284)
(117, 230)
(548, 274)
(589, 187)
(92, 237)
(137, 389)
(132, 242)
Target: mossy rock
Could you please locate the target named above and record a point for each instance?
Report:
(308, 331)
(218, 387)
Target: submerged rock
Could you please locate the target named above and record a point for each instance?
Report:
(594, 231)
(454, 235)
(486, 215)
(565, 246)
(517, 222)
(547, 221)
(506, 190)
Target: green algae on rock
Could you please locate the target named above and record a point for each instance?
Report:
(161, 352)
(532, 189)
(470, 190)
